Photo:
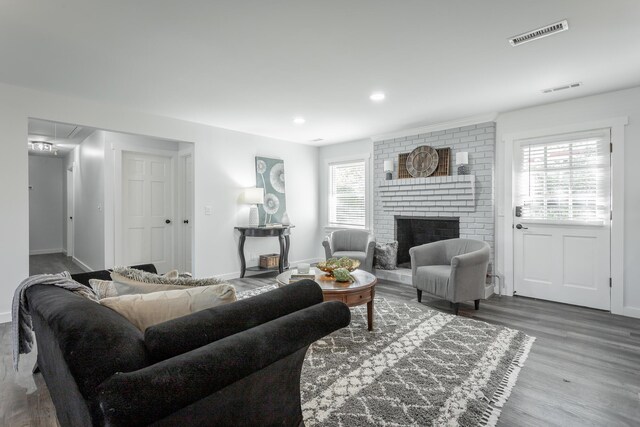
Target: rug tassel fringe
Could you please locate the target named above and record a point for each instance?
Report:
(492, 413)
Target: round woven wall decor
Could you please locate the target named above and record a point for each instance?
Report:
(422, 161)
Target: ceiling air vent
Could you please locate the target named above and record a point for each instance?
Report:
(556, 89)
(317, 140)
(549, 30)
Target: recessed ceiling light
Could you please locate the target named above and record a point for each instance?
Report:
(299, 120)
(377, 96)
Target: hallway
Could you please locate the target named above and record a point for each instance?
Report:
(52, 263)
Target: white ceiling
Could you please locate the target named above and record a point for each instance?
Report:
(64, 137)
(254, 65)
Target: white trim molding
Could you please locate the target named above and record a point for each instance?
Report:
(617, 126)
(474, 120)
(47, 251)
(367, 158)
(5, 317)
(82, 265)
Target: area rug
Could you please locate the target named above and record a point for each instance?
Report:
(417, 367)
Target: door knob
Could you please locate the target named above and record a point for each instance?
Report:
(167, 221)
(521, 227)
(186, 221)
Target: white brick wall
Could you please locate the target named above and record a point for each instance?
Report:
(469, 197)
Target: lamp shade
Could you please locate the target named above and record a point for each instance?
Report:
(388, 165)
(462, 158)
(254, 196)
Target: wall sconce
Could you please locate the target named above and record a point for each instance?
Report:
(388, 168)
(462, 161)
(253, 197)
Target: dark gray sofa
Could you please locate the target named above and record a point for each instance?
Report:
(237, 364)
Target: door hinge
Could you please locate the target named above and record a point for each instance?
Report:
(610, 282)
(611, 215)
(611, 147)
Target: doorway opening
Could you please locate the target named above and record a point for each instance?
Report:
(108, 198)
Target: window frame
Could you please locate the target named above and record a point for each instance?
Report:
(565, 138)
(368, 197)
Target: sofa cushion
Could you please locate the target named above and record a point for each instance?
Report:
(144, 310)
(134, 275)
(103, 288)
(187, 333)
(106, 274)
(114, 288)
(433, 279)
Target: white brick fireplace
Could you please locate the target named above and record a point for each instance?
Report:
(469, 198)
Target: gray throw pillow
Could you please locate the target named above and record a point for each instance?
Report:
(386, 256)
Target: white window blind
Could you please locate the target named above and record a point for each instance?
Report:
(565, 177)
(347, 199)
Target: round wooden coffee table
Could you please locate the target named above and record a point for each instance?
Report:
(358, 292)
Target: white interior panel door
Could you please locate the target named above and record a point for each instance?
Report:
(187, 229)
(147, 210)
(562, 241)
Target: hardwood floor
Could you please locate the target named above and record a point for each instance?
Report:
(52, 263)
(583, 369)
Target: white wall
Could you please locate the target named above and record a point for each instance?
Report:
(223, 166)
(337, 152)
(88, 217)
(46, 217)
(592, 108)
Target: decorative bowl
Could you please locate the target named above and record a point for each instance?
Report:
(333, 263)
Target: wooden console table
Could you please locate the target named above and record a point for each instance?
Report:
(282, 233)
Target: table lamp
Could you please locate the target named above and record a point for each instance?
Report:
(388, 169)
(462, 160)
(254, 197)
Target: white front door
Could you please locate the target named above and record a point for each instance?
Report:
(147, 210)
(187, 222)
(562, 223)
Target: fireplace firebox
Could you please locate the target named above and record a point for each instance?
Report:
(415, 231)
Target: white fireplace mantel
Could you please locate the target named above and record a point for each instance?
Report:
(433, 193)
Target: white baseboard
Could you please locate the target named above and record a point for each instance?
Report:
(236, 274)
(631, 311)
(82, 265)
(46, 251)
(5, 317)
(488, 291)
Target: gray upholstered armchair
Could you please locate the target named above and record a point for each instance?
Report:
(355, 244)
(454, 269)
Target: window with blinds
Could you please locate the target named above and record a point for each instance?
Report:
(347, 199)
(565, 177)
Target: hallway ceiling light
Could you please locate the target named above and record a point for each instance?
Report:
(377, 96)
(43, 147)
(299, 120)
